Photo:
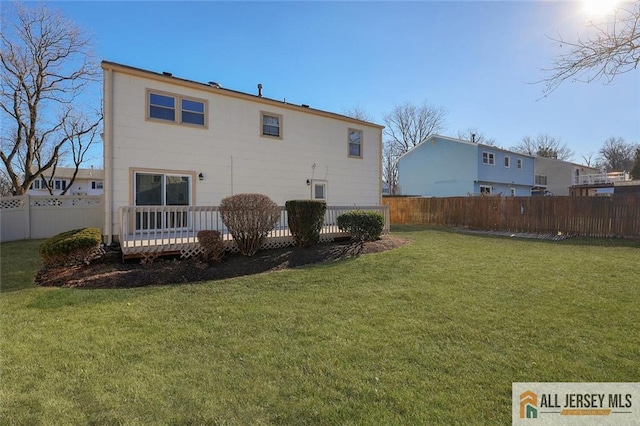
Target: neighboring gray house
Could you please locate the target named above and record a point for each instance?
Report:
(555, 177)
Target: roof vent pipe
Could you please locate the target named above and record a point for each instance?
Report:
(473, 137)
(260, 89)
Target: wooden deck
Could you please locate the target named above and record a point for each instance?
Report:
(150, 231)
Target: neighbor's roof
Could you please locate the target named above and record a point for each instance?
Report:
(216, 88)
(67, 173)
(461, 141)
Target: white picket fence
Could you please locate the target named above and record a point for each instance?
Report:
(34, 217)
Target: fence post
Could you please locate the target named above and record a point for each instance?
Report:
(27, 217)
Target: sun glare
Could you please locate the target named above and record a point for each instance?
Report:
(599, 7)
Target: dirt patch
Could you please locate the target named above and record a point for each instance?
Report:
(110, 271)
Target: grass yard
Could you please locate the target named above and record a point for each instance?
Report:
(431, 333)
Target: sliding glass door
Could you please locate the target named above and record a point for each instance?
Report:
(162, 189)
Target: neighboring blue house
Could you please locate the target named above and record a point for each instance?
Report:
(446, 167)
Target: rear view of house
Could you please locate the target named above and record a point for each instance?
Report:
(175, 142)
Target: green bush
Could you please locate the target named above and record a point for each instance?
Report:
(249, 218)
(363, 226)
(305, 219)
(211, 242)
(72, 247)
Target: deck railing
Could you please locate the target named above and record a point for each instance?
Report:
(151, 230)
(602, 178)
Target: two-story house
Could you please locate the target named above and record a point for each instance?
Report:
(171, 142)
(446, 167)
(88, 181)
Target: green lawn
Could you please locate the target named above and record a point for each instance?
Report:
(432, 333)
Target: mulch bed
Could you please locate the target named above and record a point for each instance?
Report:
(110, 271)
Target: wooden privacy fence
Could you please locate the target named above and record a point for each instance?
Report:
(617, 216)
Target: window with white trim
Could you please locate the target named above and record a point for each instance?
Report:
(60, 184)
(271, 125)
(507, 161)
(488, 158)
(37, 184)
(176, 109)
(355, 143)
(485, 189)
(319, 191)
(519, 163)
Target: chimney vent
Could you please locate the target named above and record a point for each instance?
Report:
(473, 137)
(260, 89)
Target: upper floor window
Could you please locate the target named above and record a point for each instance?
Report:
(519, 163)
(97, 185)
(271, 125)
(488, 158)
(355, 143)
(507, 161)
(176, 109)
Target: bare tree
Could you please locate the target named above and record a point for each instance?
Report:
(6, 189)
(635, 171)
(611, 48)
(617, 155)
(358, 113)
(407, 124)
(390, 168)
(472, 134)
(589, 160)
(46, 67)
(544, 145)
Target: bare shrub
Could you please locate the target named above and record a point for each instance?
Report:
(249, 218)
(211, 242)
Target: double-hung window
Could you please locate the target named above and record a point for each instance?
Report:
(519, 163)
(507, 161)
(271, 125)
(488, 158)
(176, 109)
(355, 143)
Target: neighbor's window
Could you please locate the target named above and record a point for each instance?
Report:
(355, 143)
(484, 189)
(271, 125)
(60, 184)
(488, 158)
(97, 185)
(507, 161)
(176, 109)
(519, 163)
(512, 192)
(37, 184)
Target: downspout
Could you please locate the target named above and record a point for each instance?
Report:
(108, 153)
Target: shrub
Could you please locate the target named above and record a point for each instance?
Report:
(305, 219)
(72, 247)
(211, 242)
(249, 218)
(363, 226)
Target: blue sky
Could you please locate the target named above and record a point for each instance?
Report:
(475, 59)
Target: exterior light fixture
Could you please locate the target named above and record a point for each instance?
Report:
(200, 176)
